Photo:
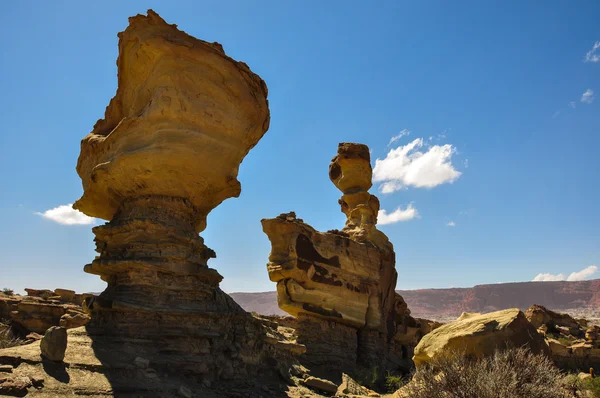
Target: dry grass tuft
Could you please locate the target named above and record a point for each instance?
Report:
(7, 337)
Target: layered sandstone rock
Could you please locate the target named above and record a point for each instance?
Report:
(41, 309)
(479, 335)
(340, 284)
(573, 343)
(166, 153)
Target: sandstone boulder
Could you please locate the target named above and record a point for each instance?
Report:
(41, 309)
(350, 387)
(321, 384)
(480, 335)
(73, 319)
(539, 315)
(54, 343)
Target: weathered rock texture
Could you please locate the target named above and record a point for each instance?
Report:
(54, 343)
(41, 309)
(340, 284)
(574, 344)
(479, 335)
(166, 153)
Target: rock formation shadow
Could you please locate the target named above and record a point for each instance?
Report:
(57, 370)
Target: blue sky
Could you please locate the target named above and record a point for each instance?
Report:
(494, 102)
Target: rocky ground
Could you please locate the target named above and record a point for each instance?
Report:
(40, 309)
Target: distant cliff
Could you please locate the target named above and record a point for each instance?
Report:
(435, 303)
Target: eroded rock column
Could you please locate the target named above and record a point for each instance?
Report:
(166, 153)
(339, 284)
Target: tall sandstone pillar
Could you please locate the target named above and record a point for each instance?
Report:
(166, 153)
(339, 284)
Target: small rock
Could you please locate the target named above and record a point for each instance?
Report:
(350, 387)
(141, 363)
(583, 376)
(206, 383)
(321, 384)
(33, 336)
(185, 392)
(37, 381)
(15, 387)
(151, 374)
(6, 369)
(54, 343)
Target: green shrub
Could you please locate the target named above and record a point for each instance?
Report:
(8, 292)
(592, 386)
(512, 373)
(393, 382)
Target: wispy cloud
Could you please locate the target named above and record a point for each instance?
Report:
(573, 276)
(588, 96)
(66, 215)
(591, 55)
(400, 135)
(397, 215)
(451, 224)
(407, 166)
(572, 104)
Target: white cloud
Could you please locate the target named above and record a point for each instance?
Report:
(466, 163)
(588, 96)
(591, 55)
(66, 215)
(397, 215)
(549, 278)
(583, 274)
(451, 224)
(573, 276)
(407, 166)
(572, 104)
(400, 135)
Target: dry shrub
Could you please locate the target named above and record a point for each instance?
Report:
(7, 337)
(512, 373)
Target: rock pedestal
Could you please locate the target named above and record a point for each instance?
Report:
(166, 153)
(340, 284)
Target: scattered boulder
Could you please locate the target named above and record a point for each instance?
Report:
(54, 343)
(73, 319)
(480, 335)
(15, 387)
(539, 315)
(573, 343)
(351, 387)
(41, 309)
(321, 384)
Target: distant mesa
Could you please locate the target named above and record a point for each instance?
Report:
(447, 304)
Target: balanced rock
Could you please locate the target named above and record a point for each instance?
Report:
(166, 153)
(479, 335)
(54, 343)
(340, 284)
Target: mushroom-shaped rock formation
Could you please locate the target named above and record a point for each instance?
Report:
(166, 153)
(340, 284)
